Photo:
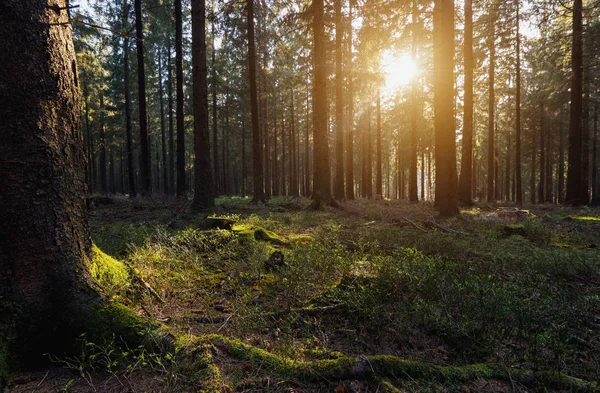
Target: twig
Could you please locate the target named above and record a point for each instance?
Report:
(73, 20)
(414, 225)
(447, 229)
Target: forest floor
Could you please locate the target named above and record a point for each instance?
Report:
(374, 296)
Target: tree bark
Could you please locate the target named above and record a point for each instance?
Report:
(203, 186)
(445, 155)
(574, 171)
(128, 128)
(163, 138)
(44, 235)
(542, 183)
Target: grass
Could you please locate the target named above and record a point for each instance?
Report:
(376, 279)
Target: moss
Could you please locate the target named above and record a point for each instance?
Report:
(514, 229)
(118, 319)
(256, 233)
(112, 275)
(589, 219)
(373, 368)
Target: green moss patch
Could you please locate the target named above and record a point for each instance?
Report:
(589, 219)
(254, 232)
(112, 275)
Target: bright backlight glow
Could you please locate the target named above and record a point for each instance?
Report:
(399, 71)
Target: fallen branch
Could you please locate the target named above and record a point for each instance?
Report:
(444, 228)
(414, 225)
(309, 311)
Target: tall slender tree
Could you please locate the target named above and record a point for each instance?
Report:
(145, 156)
(181, 187)
(203, 188)
(338, 184)
(518, 177)
(257, 167)
(465, 188)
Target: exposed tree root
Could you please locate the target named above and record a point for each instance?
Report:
(381, 369)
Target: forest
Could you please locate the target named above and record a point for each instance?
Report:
(347, 196)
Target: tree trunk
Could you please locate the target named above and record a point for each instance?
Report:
(445, 155)
(379, 174)
(145, 157)
(491, 109)
(172, 174)
(350, 137)
(466, 166)
(322, 180)
(338, 185)
(307, 191)
(257, 169)
(413, 193)
(561, 159)
(102, 167)
(44, 235)
(213, 85)
(542, 183)
(574, 171)
(595, 193)
(130, 158)
(162, 126)
(533, 170)
(518, 177)
(203, 186)
(181, 187)
(293, 148)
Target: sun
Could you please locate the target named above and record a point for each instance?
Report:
(398, 71)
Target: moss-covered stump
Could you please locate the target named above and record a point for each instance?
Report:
(382, 369)
(217, 223)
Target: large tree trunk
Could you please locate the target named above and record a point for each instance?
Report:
(338, 185)
(574, 171)
(203, 186)
(595, 193)
(321, 174)
(257, 169)
(445, 135)
(466, 167)
(145, 156)
(561, 159)
(542, 183)
(45, 297)
(181, 187)
(307, 191)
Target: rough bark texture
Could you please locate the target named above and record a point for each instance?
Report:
(445, 146)
(203, 188)
(466, 167)
(44, 236)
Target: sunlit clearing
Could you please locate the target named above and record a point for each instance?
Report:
(399, 71)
